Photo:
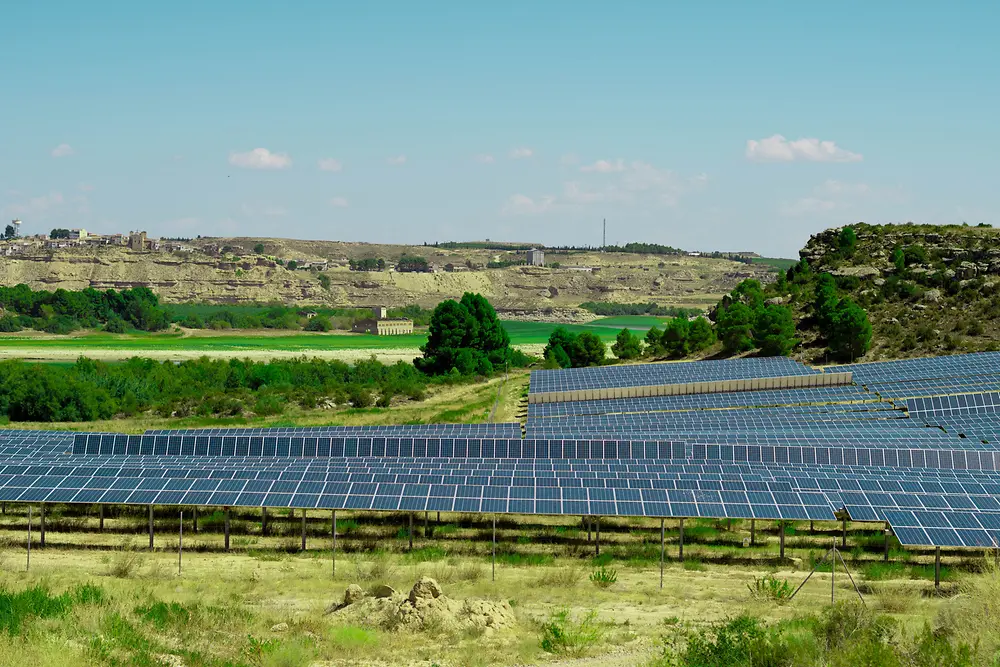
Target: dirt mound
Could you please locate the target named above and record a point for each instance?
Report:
(424, 608)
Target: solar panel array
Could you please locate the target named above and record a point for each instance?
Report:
(604, 377)
(927, 465)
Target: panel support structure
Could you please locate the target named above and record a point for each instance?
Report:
(843, 533)
(150, 527)
(41, 532)
(781, 540)
(937, 567)
(663, 547)
(597, 536)
(680, 541)
(100, 526)
(411, 531)
(303, 530)
(263, 522)
(333, 556)
(753, 531)
(226, 538)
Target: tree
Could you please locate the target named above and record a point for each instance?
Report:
(488, 336)
(557, 357)
(324, 281)
(735, 328)
(850, 335)
(675, 337)
(318, 323)
(774, 331)
(847, 241)
(898, 258)
(627, 345)
(588, 350)
(292, 265)
(750, 293)
(59, 234)
(259, 248)
(825, 299)
(465, 337)
(654, 341)
(563, 340)
(701, 335)
(9, 232)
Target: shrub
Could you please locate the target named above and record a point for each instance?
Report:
(561, 634)
(770, 588)
(604, 577)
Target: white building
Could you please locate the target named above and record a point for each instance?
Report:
(536, 257)
(77, 234)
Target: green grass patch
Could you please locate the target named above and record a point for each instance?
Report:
(516, 559)
(16, 609)
(693, 565)
(425, 554)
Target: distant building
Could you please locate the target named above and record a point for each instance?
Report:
(380, 326)
(536, 257)
(383, 327)
(77, 234)
(137, 241)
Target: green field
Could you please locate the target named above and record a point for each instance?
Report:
(521, 333)
(778, 263)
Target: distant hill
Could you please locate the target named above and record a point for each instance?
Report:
(257, 270)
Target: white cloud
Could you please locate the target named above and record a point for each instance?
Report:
(833, 195)
(779, 149)
(397, 160)
(62, 150)
(260, 158)
(485, 158)
(641, 184)
(520, 153)
(523, 205)
(339, 202)
(605, 166)
(569, 160)
(330, 164)
(36, 205)
(264, 211)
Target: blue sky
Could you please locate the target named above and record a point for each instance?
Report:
(708, 125)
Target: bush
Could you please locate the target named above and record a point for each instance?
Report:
(770, 588)
(604, 577)
(319, 323)
(9, 324)
(563, 635)
(116, 325)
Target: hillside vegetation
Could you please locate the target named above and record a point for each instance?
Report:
(928, 290)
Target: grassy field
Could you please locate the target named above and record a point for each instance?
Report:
(274, 343)
(94, 597)
(778, 263)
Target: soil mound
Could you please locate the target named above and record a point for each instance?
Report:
(424, 608)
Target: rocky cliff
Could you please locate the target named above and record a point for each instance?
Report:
(228, 271)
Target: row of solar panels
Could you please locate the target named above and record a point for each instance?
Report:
(603, 377)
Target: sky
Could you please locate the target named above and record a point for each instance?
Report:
(702, 125)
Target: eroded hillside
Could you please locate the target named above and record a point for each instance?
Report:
(927, 289)
(229, 271)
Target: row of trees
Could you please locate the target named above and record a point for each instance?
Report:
(606, 309)
(63, 311)
(368, 264)
(744, 321)
(92, 390)
(679, 338)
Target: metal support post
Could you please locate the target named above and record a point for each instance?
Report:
(494, 547)
(843, 534)
(833, 570)
(180, 542)
(41, 532)
(588, 529)
(663, 540)
(27, 566)
(937, 568)
(597, 536)
(885, 543)
(150, 527)
(263, 522)
(226, 538)
(101, 525)
(303, 530)
(194, 523)
(753, 531)
(680, 541)
(333, 556)
(781, 540)
(427, 527)
(411, 531)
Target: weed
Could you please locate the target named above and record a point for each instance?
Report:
(560, 577)
(563, 635)
(89, 594)
(895, 599)
(125, 562)
(377, 570)
(602, 561)
(35, 602)
(694, 565)
(770, 588)
(350, 640)
(162, 614)
(604, 577)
